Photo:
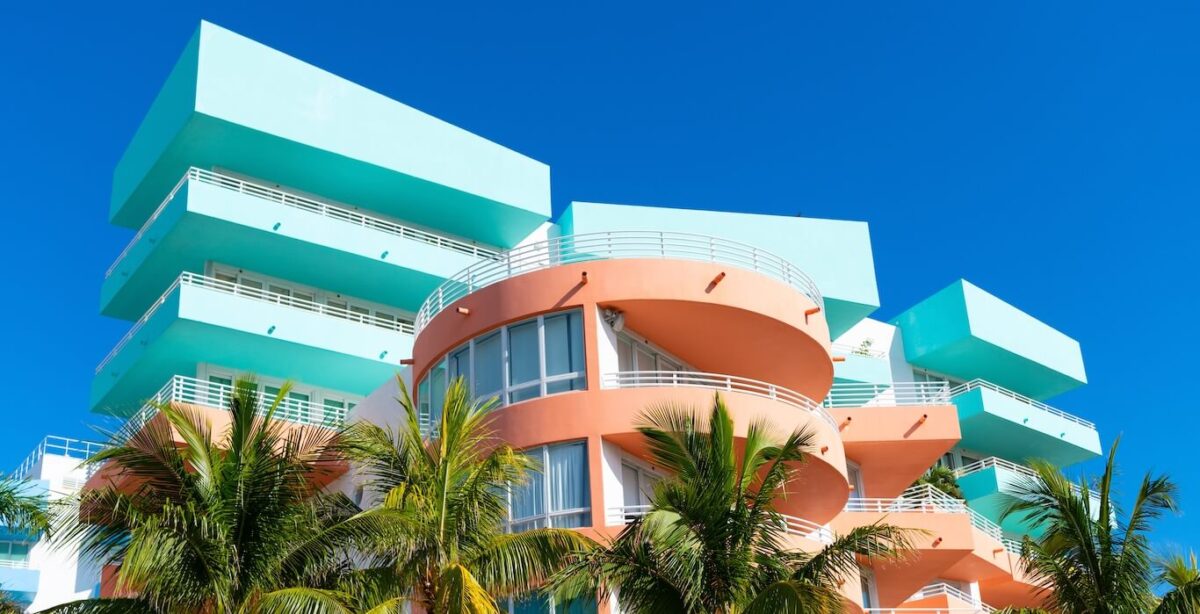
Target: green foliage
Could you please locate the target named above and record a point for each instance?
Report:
(450, 553)
(943, 479)
(1091, 559)
(713, 541)
(19, 510)
(228, 522)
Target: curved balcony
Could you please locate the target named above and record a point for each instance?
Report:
(617, 245)
(717, 306)
(612, 411)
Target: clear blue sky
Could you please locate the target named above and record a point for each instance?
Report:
(1048, 152)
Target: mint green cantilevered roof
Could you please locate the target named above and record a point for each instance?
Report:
(836, 254)
(967, 333)
(233, 104)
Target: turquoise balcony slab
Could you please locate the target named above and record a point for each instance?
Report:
(964, 332)
(835, 254)
(213, 217)
(989, 486)
(21, 583)
(999, 422)
(203, 320)
(236, 104)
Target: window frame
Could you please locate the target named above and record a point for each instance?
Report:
(546, 518)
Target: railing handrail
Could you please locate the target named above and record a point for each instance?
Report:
(187, 278)
(981, 383)
(928, 499)
(793, 525)
(312, 205)
(191, 390)
(1000, 463)
(56, 445)
(15, 564)
(714, 381)
(896, 394)
(942, 588)
(611, 246)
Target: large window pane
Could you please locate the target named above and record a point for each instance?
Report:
(529, 499)
(459, 365)
(489, 367)
(523, 362)
(437, 392)
(568, 482)
(564, 343)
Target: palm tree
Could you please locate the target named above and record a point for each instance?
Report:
(713, 541)
(449, 488)
(943, 479)
(1183, 576)
(20, 510)
(1090, 559)
(229, 522)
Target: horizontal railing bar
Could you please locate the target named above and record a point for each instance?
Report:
(342, 213)
(897, 394)
(608, 246)
(399, 324)
(714, 381)
(1016, 396)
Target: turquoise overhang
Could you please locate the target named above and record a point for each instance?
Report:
(964, 332)
(998, 422)
(200, 321)
(232, 103)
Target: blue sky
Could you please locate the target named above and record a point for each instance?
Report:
(1048, 152)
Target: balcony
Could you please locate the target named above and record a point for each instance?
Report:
(988, 484)
(765, 314)
(233, 102)
(53, 445)
(893, 431)
(1000, 422)
(942, 597)
(18, 580)
(967, 333)
(205, 320)
(960, 544)
(212, 216)
(847, 280)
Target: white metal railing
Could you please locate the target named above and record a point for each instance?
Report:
(14, 563)
(898, 394)
(181, 389)
(714, 381)
(611, 246)
(211, 283)
(993, 462)
(336, 212)
(57, 446)
(983, 384)
(624, 514)
(924, 610)
(849, 349)
(929, 500)
(942, 589)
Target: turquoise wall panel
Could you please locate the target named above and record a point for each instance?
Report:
(836, 254)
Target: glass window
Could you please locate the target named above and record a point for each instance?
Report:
(523, 359)
(557, 492)
(624, 354)
(489, 367)
(867, 584)
(459, 364)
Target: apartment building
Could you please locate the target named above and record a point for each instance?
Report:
(289, 223)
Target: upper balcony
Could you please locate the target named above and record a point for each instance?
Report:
(721, 306)
(233, 103)
(1000, 422)
(835, 253)
(964, 332)
(207, 320)
(211, 216)
(861, 364)
(894, 432)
